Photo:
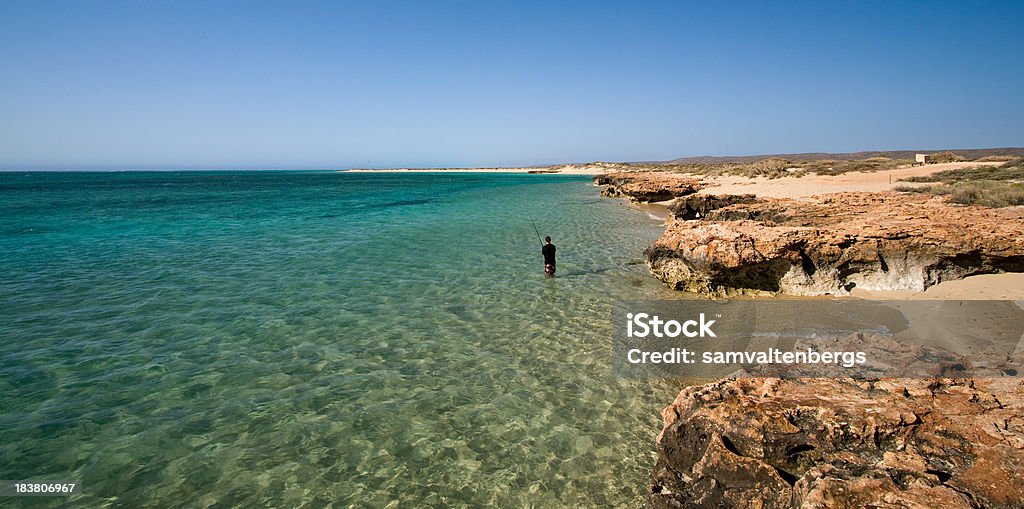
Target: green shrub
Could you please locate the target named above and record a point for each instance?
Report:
(829, 167)
(945, 157)
(915, 189)
(1012, 170)
(986, 193)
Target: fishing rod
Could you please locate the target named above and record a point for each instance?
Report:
(535, 228)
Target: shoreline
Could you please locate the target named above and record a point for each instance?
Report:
(568, 169)
(779, 435)
(812, 185)
(998, 285)
(1006, 286)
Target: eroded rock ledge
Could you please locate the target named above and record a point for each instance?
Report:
(817, 443)
(830, 244)
(827, 244)
(646, 186)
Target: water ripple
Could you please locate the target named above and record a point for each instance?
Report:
(313, 339)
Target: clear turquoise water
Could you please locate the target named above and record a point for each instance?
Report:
(288, 339)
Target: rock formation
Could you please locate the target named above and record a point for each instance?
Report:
(828, 442)
(698, 206)
(832, 243)
(827, 244)
(817, 443)
(646, 186)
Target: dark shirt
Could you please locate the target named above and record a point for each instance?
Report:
(549, 254)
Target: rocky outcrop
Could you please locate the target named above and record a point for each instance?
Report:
(818, 443)
(833, 243)
(698, 206)
(646, 186)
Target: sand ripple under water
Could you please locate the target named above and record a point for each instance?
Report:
(281, 339)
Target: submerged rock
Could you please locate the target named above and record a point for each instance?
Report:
(816, 443)
(830, 244)
(646, 186)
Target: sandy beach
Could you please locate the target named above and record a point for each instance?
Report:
(983, 287)
(566, 169)
(810, 185)
(1009, 286)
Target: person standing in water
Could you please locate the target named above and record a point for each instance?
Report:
(548, 250)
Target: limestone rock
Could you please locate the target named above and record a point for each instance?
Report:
(817, 443)
(830, 244)
(698, 206)
(646, 186)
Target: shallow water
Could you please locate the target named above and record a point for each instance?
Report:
(308, 339)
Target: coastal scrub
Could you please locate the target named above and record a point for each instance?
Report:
(1000, 186)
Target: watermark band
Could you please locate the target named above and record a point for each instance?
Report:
(818, 338)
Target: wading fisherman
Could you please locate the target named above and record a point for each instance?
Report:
(548, 250)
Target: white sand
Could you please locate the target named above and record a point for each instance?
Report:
(798, 187)
(567, 169)
(984, 287)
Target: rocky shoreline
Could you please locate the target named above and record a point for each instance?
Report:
(818, 442)
(823, 442)
(646, 187)
(828, 244)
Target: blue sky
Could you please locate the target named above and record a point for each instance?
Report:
(91, 84)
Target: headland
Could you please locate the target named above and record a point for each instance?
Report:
(833, 228)
(878, 228)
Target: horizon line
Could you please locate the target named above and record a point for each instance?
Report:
(165, 168)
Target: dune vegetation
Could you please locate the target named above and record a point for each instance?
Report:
(774, 167)
(988, 186)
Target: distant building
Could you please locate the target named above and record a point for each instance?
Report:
(922, 159)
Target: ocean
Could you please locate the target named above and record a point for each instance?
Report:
(306, 339)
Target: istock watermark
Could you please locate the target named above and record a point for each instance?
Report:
(646, 324)
(818, 338)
